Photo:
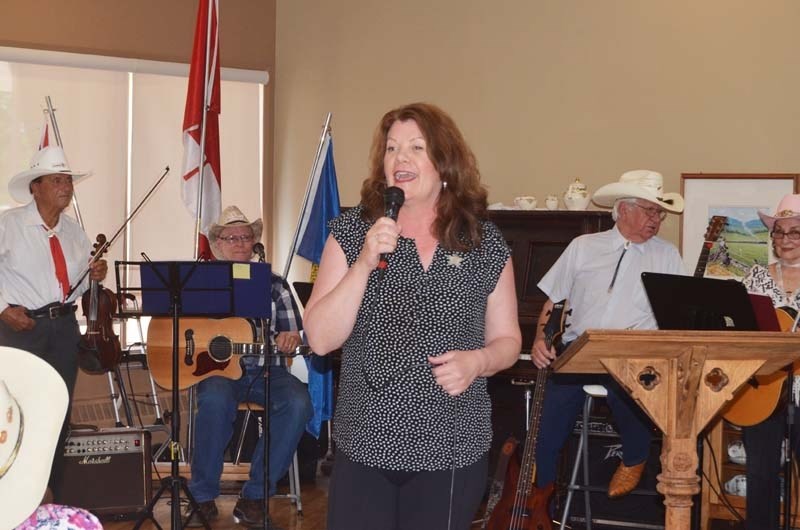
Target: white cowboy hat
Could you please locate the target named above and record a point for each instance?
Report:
(639, 184)
(48, 161)
(232, 216)
(33, 404)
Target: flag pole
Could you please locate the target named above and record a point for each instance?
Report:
(325, 131)
(201, 165)
(51, 112)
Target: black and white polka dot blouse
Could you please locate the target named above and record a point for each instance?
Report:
(390, 412)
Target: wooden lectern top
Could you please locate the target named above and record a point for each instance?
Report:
(775, 347)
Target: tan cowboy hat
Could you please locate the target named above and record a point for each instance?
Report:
(639, 184)
(48, 161)
(232, 216)
(33, 404)
(788, 208)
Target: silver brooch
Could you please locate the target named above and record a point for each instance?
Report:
(454, 261)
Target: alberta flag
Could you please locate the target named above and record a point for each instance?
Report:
(313, 234)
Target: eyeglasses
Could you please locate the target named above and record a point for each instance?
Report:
(793, 235)
(653, 212)
(231, 240)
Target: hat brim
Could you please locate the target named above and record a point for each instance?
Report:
(608, 194)
(42, 397)
(769, 220)
(213, 234)
(19, 185)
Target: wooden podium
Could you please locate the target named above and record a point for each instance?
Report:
(681, 379)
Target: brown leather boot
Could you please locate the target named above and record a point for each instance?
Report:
(540, 508)
(625, 479)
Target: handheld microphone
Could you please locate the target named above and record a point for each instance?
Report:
(258, 249)
(393, 199)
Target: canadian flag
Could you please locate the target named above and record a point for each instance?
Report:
(202, 111)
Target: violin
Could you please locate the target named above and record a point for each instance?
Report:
(99, 350)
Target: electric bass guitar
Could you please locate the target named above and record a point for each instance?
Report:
(212, 346)
(511, 504)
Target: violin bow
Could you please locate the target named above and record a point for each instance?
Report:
(100, 251)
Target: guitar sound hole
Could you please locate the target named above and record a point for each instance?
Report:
(220, 348)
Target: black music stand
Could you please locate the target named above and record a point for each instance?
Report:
(171, 279)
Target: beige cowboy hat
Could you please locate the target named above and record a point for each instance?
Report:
(48, 161)
(33, 404)
(232, 216)
(639, 184)
(788, 208)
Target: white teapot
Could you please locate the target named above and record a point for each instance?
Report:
(577, 196)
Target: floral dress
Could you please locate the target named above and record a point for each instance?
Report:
(59, 517)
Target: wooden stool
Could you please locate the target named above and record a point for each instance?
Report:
(294, 473)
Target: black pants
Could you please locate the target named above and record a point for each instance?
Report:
(56, 342)
(762, 443)
(367, 498)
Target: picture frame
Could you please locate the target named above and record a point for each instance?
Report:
(738, 197)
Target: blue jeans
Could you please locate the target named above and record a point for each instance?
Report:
(218, 399)
(563, 401)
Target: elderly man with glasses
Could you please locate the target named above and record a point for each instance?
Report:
(600, 277)
(233, 239)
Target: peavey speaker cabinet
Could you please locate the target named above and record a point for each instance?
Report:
(107, 472)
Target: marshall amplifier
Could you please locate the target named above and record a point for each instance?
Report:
(108, 471)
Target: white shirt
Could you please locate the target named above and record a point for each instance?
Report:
(27, 271)
(583, 275)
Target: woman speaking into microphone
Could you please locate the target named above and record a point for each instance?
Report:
(419, 335)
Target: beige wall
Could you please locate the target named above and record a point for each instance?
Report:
(159, 30)
(544, 90)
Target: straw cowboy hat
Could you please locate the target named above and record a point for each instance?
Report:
(48, 161)
(639, 184)
(232, 216)
(33, 404)
(788, 208)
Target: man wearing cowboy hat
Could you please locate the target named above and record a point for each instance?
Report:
(232, 239)
(600, 277)
(42, 252)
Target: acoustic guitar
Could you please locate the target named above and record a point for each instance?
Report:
(511, 504)
(763, 393)
(214, 347)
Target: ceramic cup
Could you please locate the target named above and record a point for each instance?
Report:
(551, 202)
(525, 203)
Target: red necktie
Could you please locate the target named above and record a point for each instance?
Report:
(60, 263)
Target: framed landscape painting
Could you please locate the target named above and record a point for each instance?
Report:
(721, 216)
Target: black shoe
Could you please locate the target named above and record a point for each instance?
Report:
(208, 509)
(250, 513)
